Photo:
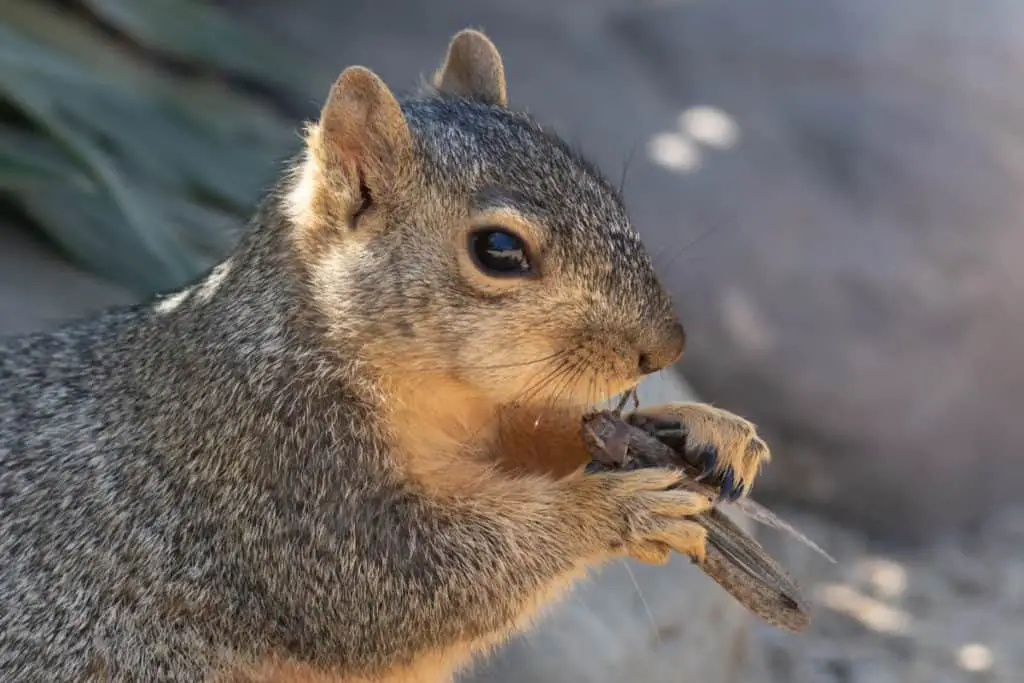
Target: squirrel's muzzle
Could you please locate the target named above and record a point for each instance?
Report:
(661, 350)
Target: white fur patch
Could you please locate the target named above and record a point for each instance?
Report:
(298, 203)
(213, 281)
(332, 281)
(172, 301)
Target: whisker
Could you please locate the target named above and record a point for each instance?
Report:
(623, 400)
(561, 381)
(582, 369)
(520, 364)
(565, 382)
(591, 396)
(608, 398)
(625, 167)
(643, 600)
(534, 388)
(554, 399)
(711, 229)
(497, 366)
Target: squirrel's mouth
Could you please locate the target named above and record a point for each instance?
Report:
(583, 396)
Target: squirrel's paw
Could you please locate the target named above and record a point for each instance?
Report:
(724, 444)
(648, 518)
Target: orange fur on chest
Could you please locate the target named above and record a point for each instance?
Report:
(452, 441)
(443, 432)
(540, 441)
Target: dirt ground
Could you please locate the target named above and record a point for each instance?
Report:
(951, 611)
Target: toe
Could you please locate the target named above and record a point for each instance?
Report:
(675, 438)
(677, 503)
(757, 450)
(661, 422)
(707, 460)
(688, 538)
(651, 553)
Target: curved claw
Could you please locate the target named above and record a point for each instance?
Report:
(738, 493)
(728, 487)
(707, 460)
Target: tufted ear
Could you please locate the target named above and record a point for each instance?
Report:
(473, 69)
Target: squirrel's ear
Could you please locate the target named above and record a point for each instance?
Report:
(473, 69)
(362, 132)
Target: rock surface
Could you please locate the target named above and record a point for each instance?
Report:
(948, 611)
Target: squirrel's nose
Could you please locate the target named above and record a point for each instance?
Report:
(663, 352)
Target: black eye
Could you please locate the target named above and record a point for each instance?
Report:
(499, 252)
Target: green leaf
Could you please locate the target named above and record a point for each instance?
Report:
(139, 173)
(29, 161)
(201, 33)
(78, 223)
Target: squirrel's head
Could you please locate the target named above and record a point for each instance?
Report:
(448, 235)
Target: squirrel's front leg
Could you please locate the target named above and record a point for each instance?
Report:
(725, 444)
(480, 567)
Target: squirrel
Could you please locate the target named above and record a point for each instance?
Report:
(350, 452)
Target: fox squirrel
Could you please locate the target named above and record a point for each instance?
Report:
(351, 452)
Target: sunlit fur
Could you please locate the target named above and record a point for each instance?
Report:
(570, 335)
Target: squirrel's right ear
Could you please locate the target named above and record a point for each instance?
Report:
(362, 138)
(473, 69)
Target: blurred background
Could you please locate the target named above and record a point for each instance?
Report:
(831, 188)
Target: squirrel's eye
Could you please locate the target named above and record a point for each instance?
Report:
(499, 252)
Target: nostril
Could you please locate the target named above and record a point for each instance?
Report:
(645, 365)
(664, 352)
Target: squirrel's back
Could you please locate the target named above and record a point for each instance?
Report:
(137, 451)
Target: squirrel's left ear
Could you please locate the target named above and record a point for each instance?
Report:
(361, 126)
(473, 69)
(355, 154)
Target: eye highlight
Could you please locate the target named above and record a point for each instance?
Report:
(499, 253)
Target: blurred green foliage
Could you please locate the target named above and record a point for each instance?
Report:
(137, 134)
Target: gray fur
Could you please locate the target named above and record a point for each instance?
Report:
(181, 490)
